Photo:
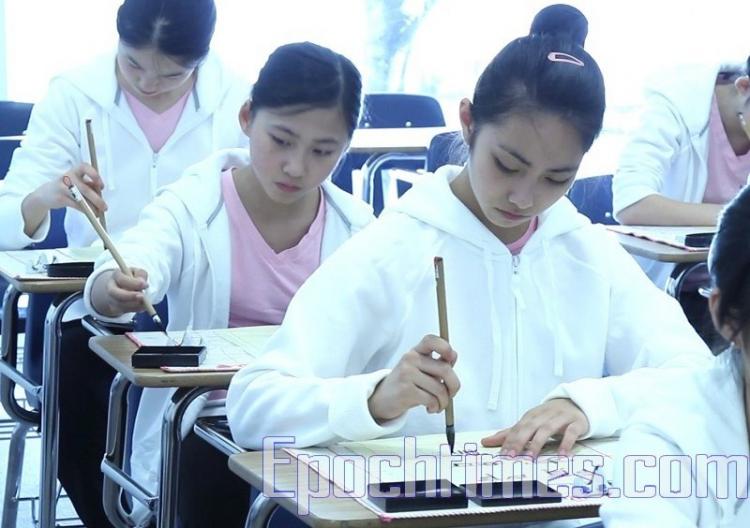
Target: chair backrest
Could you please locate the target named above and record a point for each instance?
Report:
(14, 118)
(400, 110)
(593, 198)
(447, 148)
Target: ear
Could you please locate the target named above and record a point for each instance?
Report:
(245, 117)
(743, 86)
(467, 122)
(726, 331)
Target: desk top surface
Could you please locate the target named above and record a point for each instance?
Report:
(17, 267)
(651, 249)
(343, 511)
(375, 140)
(117, 351)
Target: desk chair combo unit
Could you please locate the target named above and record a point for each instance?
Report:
(48, 302)
(395, 111)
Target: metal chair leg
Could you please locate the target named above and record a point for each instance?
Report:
(260, 512)
(13, 476)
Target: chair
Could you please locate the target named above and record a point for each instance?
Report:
(389, 110)
(593, 198)
(14, 118)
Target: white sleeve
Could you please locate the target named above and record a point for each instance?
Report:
(640, 449)
(310, 383)
(51, 148)
(154, 244)
(646, 159)
(648, 332)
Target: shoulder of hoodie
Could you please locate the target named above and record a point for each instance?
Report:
(96, 79)
(688, 88)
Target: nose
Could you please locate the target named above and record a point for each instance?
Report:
(521, 195)
(294, 165)
(147, 83)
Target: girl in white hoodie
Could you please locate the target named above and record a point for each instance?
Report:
(231, 241)
(541, 304)
(673, 483)
(159, 103)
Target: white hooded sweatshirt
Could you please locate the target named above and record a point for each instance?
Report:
(182, 240)
(55, 142)
(572, 305)
(706, 418)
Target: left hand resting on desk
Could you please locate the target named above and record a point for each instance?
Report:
(559, 416)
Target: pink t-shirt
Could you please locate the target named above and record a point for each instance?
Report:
(516, 247)
(156, 127)
(727, 172)
(263, 281)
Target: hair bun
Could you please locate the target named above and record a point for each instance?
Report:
(562, 21)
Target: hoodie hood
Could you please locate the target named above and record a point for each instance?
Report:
(211, 86)
(203, 206)
(433, 202)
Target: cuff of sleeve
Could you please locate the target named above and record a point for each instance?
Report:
(349, 416)
(124, 318)
(595, 400)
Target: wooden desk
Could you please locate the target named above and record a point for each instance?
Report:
(14, 268)
(117, 352)
(636, 245)
(344, 511)
(657, 251)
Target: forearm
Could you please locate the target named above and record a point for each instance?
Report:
(659, 210)
(34, 212)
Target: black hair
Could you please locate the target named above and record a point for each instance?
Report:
(729, 262)
(311, 76)
(542, 73)
(181, 29)
(562, 20)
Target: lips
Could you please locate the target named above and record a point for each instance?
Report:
(286, 187)
(512, 216)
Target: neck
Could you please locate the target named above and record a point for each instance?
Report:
(461, 187)
(726, 99)
(262, 209)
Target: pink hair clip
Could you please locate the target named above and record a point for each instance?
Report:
(558, 56)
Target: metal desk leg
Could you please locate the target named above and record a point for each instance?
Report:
(260, 512)
(171, 441)
(50, 411)
(13, 476)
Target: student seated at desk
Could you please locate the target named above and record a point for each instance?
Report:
(158, 104)
(230, 243)
(690, 154)
(538, 298)
(700, 414)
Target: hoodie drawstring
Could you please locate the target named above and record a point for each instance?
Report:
(497, 349)
(550, 310)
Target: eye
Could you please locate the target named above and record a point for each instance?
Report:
(133, 64)
(322, 153)
(558, 182)
(504, 168)
(279, 141)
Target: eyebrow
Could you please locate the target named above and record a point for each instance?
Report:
(528, 164)
(289, 131)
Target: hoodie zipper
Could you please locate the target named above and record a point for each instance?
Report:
(519, 305)
(152, 173)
